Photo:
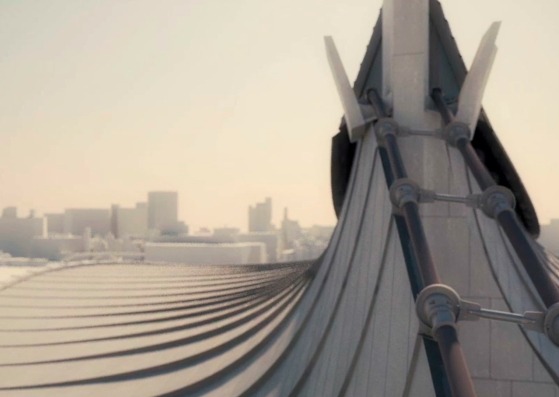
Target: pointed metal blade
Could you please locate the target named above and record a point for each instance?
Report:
(471, 94)
(356, 124)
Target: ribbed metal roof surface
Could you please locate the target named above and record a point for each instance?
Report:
(140, 329)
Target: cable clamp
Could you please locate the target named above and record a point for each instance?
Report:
(551, 323)
(404, 190)
(438, 305)
(492, 201)
(386, 126)
(496, 199)
(455, 131)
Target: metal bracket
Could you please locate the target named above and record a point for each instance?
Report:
(386, 126)
(406, 131)
(471, 311)
(495, 200)
(492, 201)
(429, 196)
(404, 190)
(439, 304)
(368, 112)
(551, 323)
(454, 131)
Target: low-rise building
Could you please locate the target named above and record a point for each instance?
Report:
(129, 222)
(206, 254)
(56, 247)
(55, 223)
(16, 234)
(269, 239)
(76, 220)
(549, 236)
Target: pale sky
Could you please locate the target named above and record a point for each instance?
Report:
(228, 102)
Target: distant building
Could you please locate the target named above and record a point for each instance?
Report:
(126, 244)
(226, 234)
(76, 220)
(549, 236)
(308, 249)
(206, 254)
(269, 239)
(56, 247)
(321, 232)
(129, 222)
(16, 234)
(8, 260)
(204, 239)
(290, 231)
(9, 213)
(178, 229)
(55, 223)
(299, 243)
(162, 210)
(260, 216)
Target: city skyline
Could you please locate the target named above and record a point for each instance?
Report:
(219, 102)
(152, 231)
(163, 204)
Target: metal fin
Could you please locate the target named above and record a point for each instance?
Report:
(471, 94)
(356, 124)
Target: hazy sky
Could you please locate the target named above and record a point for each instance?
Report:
(228, 102)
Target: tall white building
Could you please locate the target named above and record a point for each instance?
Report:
(163, 210)
(260, 216)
